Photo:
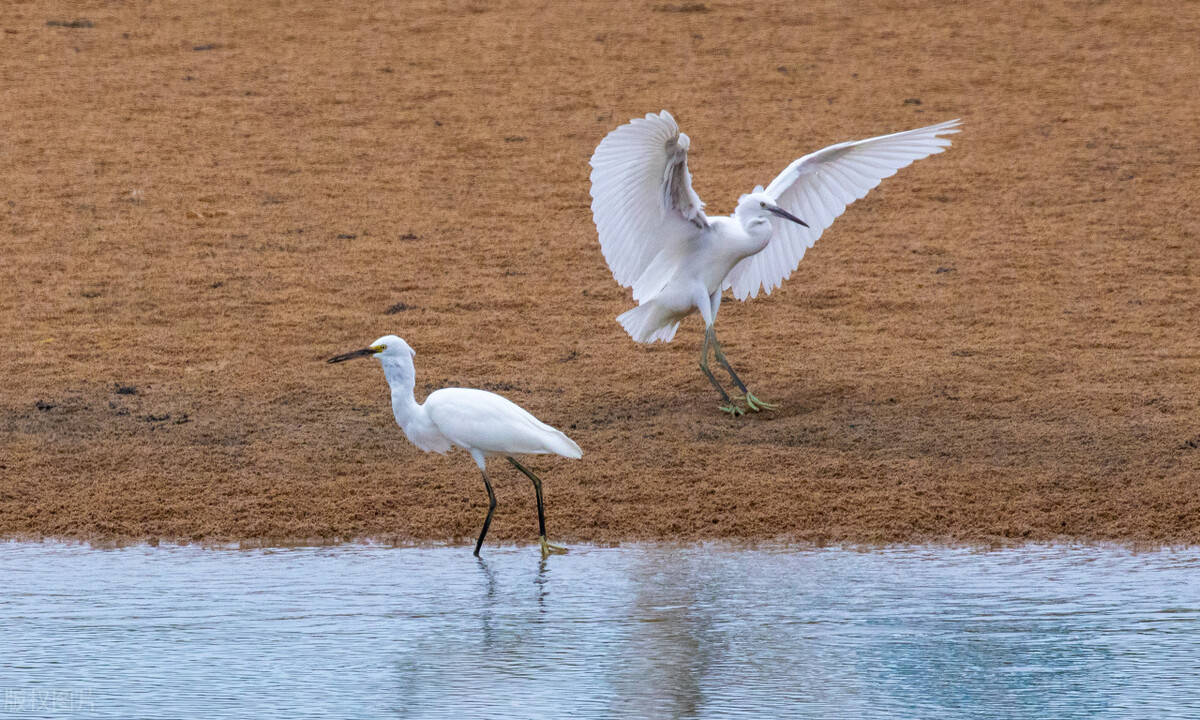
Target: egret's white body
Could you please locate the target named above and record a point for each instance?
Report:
(693, 277)
(657, 240)
(480, 422)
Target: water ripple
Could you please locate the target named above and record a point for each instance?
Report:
(642, 631)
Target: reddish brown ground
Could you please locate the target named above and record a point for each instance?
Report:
(201, 203)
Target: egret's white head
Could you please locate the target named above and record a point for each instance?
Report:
(758, 206)
(388, 347)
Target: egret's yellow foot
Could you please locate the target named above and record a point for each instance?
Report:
(551, 549)
(733, 410)
(755, 404)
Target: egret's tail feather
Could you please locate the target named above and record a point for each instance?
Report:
(560, 444)
(646, 325)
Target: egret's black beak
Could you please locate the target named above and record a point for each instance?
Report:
(775, 209)
(365, 352)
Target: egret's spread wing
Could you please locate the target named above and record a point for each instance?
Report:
(818, 187)
(642, 196)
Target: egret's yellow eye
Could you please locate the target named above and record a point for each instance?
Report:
(762, 204)
(379, 348)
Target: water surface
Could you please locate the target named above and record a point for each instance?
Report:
(640, 631)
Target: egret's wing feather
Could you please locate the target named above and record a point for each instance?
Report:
(493, 424)
(818, 187)
(642, 197)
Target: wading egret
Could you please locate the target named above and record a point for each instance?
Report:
(480, 422)
(657, 240)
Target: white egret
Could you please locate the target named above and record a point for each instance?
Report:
(657, 240)
(480, 422)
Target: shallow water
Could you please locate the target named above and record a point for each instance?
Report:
(642, 631)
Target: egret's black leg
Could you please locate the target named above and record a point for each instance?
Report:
(547, 548)
(725, 364)
(751, 401)
(537, 488)
(487, 522)
(729, 407)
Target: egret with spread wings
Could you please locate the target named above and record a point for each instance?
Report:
(658, 241)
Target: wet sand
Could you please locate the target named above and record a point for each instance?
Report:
(200, 205)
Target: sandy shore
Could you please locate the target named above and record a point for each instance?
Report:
(199, 205)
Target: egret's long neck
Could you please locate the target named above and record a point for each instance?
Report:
(757, 231)
(401, 377)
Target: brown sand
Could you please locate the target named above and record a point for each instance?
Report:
(201, 204)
